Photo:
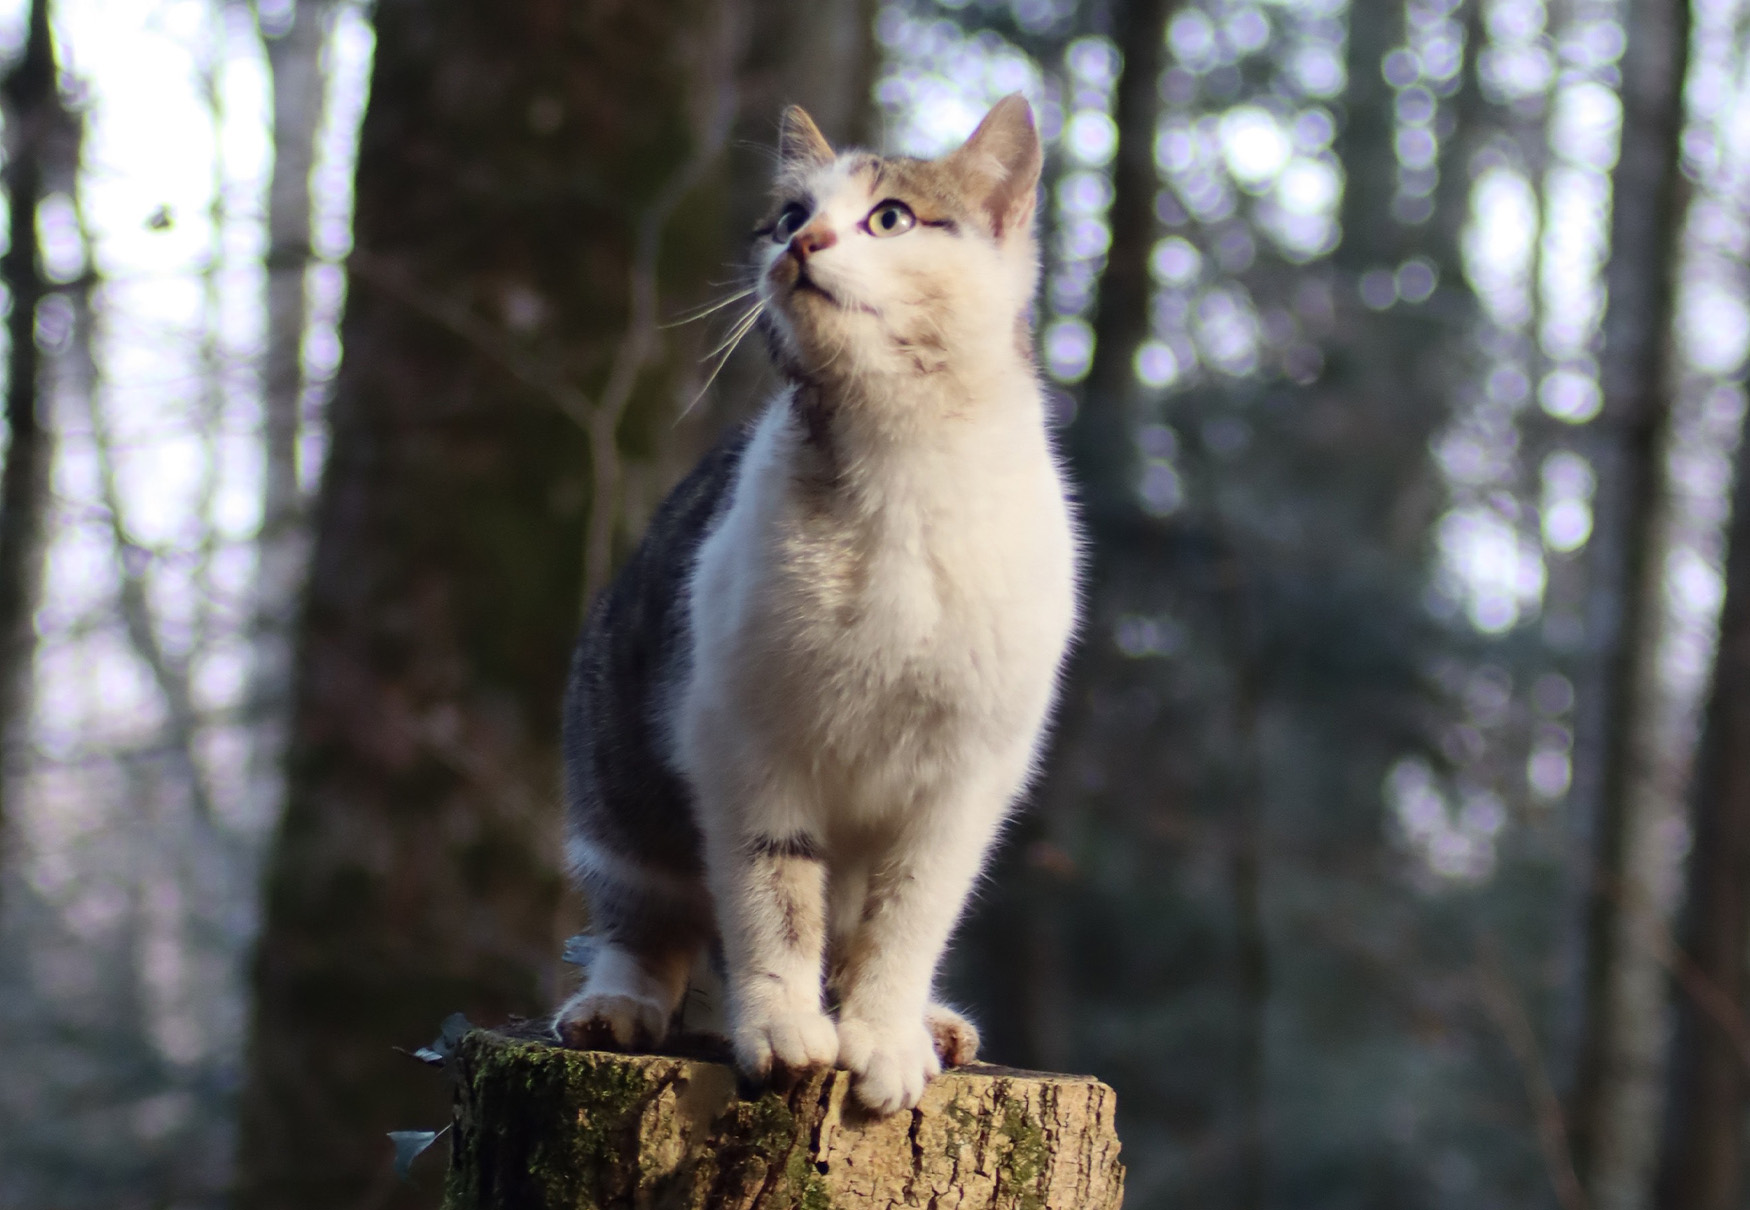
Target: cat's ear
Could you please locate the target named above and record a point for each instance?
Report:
(800, 143)
(999, 166)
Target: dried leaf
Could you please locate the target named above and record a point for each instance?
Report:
(410, 1145)
(444, 1045)
(450, 1033)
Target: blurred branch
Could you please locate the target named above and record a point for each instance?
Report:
(1504, 1005)
(712, 121)
(483, 337)
(1706, 994)
(168, 673)
(210, 341)
(599, 417)
(1702, 990)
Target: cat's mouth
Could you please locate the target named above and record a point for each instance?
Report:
(805, 284)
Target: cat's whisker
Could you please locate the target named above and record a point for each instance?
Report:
(737, 330)
(708, 309)
(727, 350)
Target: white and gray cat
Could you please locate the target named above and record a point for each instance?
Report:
(798, 719)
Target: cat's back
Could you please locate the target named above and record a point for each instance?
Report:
(623, 798)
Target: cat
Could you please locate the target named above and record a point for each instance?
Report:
(797, 720)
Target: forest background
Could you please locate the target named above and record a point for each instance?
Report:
(1393, 846)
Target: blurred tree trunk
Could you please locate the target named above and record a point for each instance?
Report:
(42, 141)
(1101, 442)
(1703, 1165)
(1032, 1020)
(1021, 942)
(294, 58)
(1616, 1109)
(538, 186)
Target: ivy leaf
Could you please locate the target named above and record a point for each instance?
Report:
(410, 1145)
(580, 950)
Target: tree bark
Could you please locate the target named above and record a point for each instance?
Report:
(294, 57)
(508, 160)
(1703, 1165)
(537, 1128)
(538, 187)
(1616, 1111)
(1101, 442)
(41, 148)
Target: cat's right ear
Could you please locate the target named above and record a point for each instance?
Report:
(999, 166)
(801, 146)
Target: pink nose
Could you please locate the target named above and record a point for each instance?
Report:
(811, 239)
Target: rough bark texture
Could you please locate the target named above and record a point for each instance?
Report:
(294, 57)
(41, 154)
(508, 162)
(539, 186)
(1617, 1099)
(1704, 1159)
(538, 1128)
(1101, 442)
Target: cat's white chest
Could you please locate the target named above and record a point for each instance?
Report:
(896, 634)
(929, 582)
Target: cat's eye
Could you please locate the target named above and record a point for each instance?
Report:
(790, 221)
(890, 218)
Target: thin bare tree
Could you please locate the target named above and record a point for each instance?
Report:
(294, 38)
(1616, 1102)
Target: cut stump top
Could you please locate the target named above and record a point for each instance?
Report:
(542, 1128)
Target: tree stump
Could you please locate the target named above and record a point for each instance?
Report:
(542, 1128)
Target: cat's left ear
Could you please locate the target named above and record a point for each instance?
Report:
(999, 166)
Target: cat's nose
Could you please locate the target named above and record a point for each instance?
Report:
(811, 239)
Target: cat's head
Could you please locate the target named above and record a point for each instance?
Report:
(875, 267)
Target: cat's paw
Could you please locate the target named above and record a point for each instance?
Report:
(784, 1043)
(892, 1064)
(610, 1021)
(955, 1038)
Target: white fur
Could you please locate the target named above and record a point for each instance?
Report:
(876, 674)
(632, 1002)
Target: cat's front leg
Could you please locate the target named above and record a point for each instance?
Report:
(889, 1032)
(771, 905)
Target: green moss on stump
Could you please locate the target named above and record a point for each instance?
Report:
(541, 1128)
